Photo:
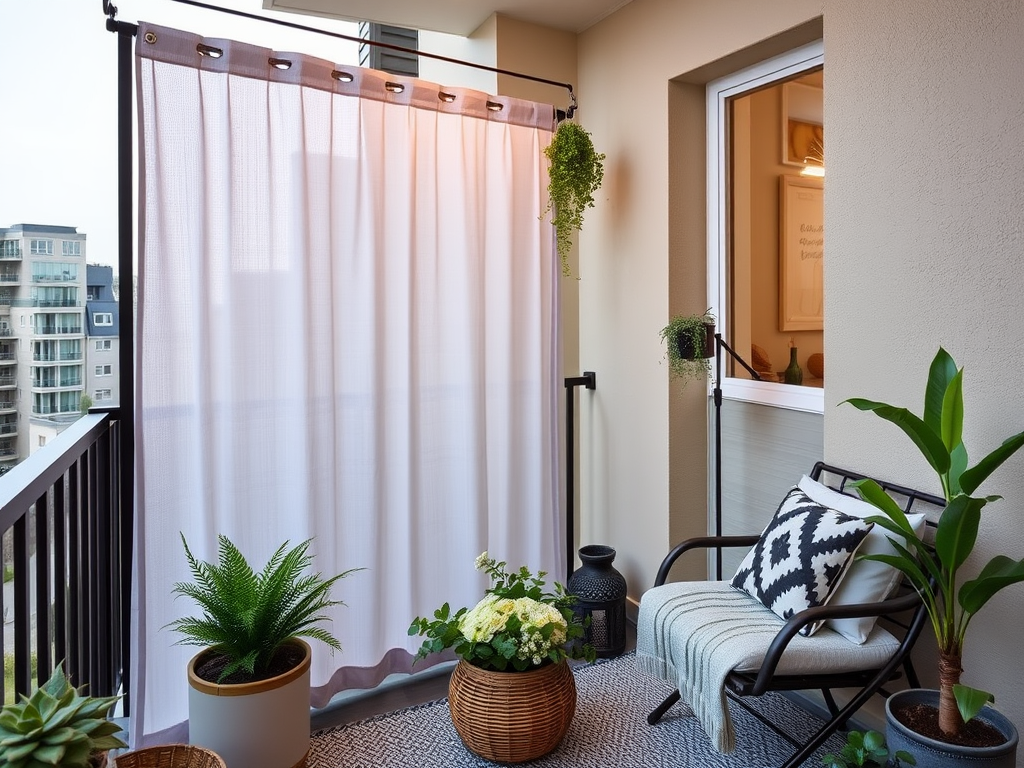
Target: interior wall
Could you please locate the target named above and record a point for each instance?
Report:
(766, 168)
(923, 103)
(643, 257)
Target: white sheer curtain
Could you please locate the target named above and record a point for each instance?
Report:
(347, 331)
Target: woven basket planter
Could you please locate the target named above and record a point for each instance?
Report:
(170, 756)
(511, 717)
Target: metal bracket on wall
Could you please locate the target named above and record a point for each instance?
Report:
(588, 380)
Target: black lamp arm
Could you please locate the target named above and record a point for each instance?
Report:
(725, 345)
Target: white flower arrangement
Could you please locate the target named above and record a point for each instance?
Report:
(516, 626)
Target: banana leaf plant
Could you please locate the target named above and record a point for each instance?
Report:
(935, 570)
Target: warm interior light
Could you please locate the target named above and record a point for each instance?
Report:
(813, 170)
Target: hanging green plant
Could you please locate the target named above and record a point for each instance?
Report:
(576, 172)
(689, 345)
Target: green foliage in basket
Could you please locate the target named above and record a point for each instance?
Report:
(56, 727)
(517, 626)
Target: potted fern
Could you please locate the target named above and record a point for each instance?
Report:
(57, 727)
(575, 174)
(249, 689)
(934, 570)
(689, 345)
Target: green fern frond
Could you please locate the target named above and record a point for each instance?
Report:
(247, 615)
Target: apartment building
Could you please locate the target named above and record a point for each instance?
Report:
(42, 335)
(101, 336)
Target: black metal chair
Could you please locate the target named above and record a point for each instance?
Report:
(903, 615)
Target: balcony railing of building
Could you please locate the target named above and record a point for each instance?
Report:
(5, 355)
(7, 405)
(8, 381)
(55, 357)
(70, 551)
(50, 410)
(6, 332)
(9, 428)
(10, 278)
(46, 303)
(49, 330)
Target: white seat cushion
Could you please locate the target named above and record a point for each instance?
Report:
(693, 634)
(825, 651)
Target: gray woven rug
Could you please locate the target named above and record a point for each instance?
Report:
(609, 730)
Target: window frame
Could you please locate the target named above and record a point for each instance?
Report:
(719, 92)
(107, 321)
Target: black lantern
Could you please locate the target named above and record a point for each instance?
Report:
(600, 592)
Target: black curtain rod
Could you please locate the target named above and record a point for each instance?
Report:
(115, 26)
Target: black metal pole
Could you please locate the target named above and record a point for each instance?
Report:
(589, 380)
(126, 330)
(718, 451)
(720, 344)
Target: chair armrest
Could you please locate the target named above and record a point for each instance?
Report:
(820, 613)
(701, 542)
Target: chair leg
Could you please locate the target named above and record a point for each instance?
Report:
(662, 708)
(833, 708)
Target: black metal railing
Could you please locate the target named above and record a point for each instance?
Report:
(67, 545)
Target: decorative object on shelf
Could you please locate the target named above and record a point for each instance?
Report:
(760, 360)
(600, 592)
(575, 174)
(794, 375)
(689, 345)
(934, 570)
(170, 756)
(248, 695)
(518, 630)
(57, 726)
(816, 365)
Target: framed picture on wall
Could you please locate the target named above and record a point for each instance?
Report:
(801, 253)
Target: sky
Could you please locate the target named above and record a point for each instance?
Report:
(58, 130)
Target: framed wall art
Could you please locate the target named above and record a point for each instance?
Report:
(801, 253)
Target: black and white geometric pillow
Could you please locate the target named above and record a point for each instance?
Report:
(801, 556)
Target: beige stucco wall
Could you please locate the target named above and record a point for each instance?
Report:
(642, 258)
(925, 180)
(924, 108)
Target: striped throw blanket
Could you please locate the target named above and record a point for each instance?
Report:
(693, 634)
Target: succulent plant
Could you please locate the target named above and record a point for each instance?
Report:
(56, 726)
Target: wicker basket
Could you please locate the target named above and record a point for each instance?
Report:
(170, 756)
(511, 717)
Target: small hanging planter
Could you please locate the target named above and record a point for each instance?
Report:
(689, 345)
(576, 172)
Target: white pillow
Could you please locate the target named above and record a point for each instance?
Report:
(867, 581)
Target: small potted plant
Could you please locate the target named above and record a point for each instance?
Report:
(934, 570)
(249, 689)
(575, 174)
(57, 727)
(866, 748)
(690, 345)
(512, 695)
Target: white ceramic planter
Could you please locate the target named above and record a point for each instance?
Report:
(253, 725)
